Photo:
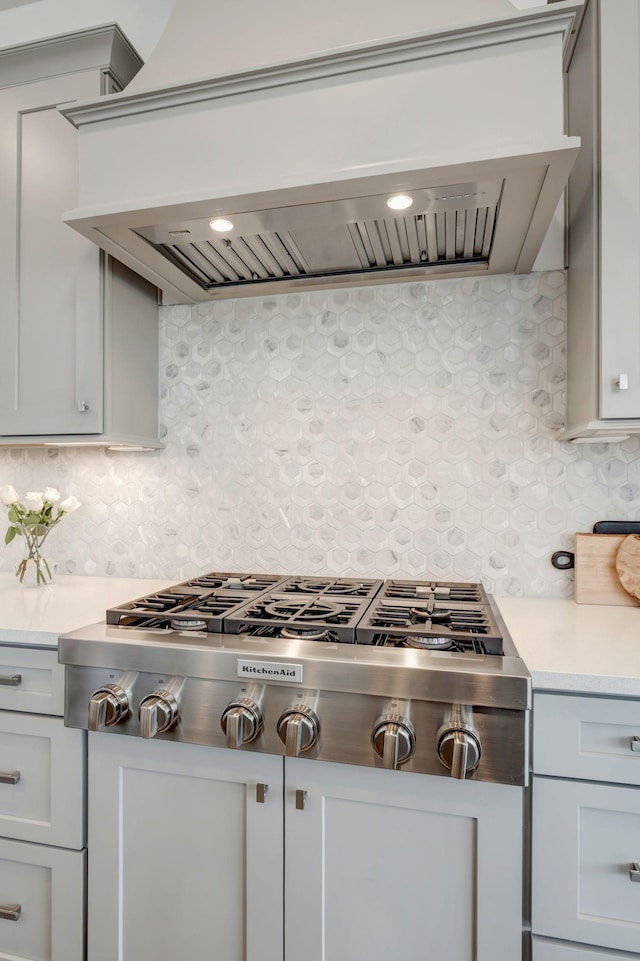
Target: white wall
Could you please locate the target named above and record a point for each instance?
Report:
(142, 20)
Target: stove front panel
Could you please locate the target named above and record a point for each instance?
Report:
(346, 720)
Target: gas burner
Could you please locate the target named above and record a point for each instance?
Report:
(434, 643)
(188, 624)
(302, 610)
(303, 634)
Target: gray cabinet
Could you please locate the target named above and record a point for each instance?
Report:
(42, 813)
(381, 865)
(586, 832)
(603, 390)
(78, 332)
(186, 851)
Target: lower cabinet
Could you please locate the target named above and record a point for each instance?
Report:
(585, 885)
(41, 898)
(188, 847)
(42, 813)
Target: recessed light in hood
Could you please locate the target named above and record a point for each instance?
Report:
(303, 157)
(399, 202)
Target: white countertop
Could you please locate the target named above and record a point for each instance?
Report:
(35, 616)
(583, 648)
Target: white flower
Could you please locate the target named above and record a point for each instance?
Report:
(32, 500)
(70, 504)
(8, 494)
(51, 495)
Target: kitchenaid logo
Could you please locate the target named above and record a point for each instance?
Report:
(277, 672)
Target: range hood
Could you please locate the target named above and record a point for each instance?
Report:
(300, 157)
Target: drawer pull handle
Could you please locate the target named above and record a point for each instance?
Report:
(634, 872)
(10, 680)
(261, 792)
(10, 912)
(9, 777)
(635, 744)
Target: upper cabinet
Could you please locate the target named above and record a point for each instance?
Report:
(78, 331)
(603, 394)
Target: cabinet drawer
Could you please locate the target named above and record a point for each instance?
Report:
(42, 766)
(48, 885)
(586, 737)
(31, 680)
(543, 950)
(586, 838)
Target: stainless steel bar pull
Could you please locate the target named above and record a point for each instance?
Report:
(10, 912)
(10, 680)
(261, 792)
(635, 744)
(7, 777)
(634, 871)
(301, 797)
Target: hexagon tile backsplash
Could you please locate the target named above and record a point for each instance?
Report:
(403, 430)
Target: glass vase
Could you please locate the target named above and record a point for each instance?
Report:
(34, 570)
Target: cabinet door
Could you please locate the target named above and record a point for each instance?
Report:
(43, 890)
(585, 839)
(42, 776)
(620, 206)
(50, 278)
(185, 861)
(384, 865)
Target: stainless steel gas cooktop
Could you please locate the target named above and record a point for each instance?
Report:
(412, 675)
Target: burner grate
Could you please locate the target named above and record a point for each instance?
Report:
(453, 591)
(340, 615)
(198, 604)
(470, 645)
(331, 586)
(465, 624)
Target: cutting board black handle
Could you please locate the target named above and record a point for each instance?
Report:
(616, 527)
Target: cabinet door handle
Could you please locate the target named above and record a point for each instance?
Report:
(261, 792)
(634, 872)
(301, 797)
(635, 744)
(10, 680)
(10, 912)
(622, 382)
(7, 777)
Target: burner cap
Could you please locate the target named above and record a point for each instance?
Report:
(300, 633)
(429, 643)
(188, 624)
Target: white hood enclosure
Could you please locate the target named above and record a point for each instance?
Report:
(296, 123)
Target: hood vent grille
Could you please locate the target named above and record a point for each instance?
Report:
(318, 240)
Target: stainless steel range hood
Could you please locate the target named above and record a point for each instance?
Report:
(301, 157)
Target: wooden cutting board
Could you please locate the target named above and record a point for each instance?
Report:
(628, 565)
(596, 579)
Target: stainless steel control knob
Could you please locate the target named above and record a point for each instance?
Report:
(241, 721)
(298, 729)
(393, 739)
(107, 706)
(158, 712)
(458, 744)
